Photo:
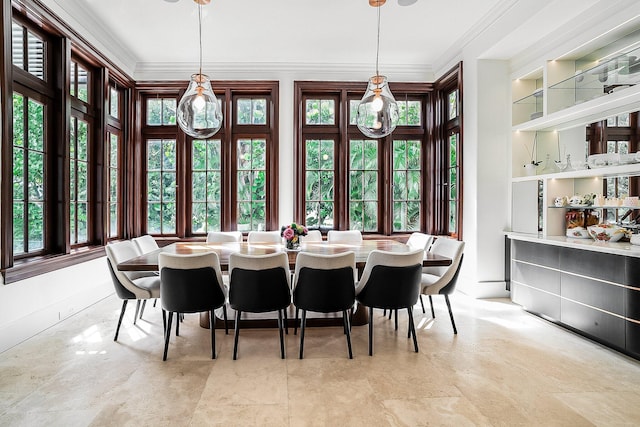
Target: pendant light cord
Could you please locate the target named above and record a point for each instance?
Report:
(200, 38)
(378, 40)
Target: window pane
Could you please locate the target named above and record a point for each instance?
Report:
(83, 84)
(406, 185)
(17, 45)
(113, 185)
(319, 182)
(206, 184)
(36, 226)
(251, 184)
(453, 104)
(154, 109)
(114, 103)
(35, 55)
(72, 79)
(363, 185)
(161, 186)
(410, 113)
(320, 112)
(353, 111)
(36, 130)
(168, 111)
(252, 111)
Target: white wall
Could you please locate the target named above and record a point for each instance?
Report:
(35, 304)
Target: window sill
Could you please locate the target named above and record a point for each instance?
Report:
(31, 267)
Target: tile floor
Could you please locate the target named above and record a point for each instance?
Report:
(504, 368)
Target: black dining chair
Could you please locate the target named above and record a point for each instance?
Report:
(191, 284)
(324, 284)
(391, 281)
(259, 284)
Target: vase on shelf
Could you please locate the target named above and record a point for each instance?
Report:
(550, 166)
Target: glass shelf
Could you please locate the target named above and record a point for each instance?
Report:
(617, 73)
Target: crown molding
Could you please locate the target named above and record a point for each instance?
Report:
(274, 70)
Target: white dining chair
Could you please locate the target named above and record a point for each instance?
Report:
(224, 236)
(312, 236)
(264, 237)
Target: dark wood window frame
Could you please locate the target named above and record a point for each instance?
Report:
(62, 42)
(433, 134)
(227, 92)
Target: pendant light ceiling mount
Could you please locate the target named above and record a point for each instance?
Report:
(199, 115)
(377, 114)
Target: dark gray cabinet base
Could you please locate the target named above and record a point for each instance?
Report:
(594, 294)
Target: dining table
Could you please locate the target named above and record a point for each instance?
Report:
(149, 262)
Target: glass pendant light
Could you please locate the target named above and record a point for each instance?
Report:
(199, 115)
(377, 114)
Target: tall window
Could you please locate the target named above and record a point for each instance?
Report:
(78, 181)
(228, 182)
(114, 156)
(347, 181)
(28, 175)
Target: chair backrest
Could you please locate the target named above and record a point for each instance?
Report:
(312, 236)
(118, 252)
(259, 283)
(190, 283)
(145, 244)
(264, 237)
(391, 279)
(344, 236)
(449, 248)
(224, 236)
(324, 283)
(420, 240)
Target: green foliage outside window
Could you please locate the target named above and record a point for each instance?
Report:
(319, 181)
(320, 112)
(161, 111)
(161, 186)
(251, 184)
(453, 183)
(406, 185)
(206, 180)
(28, 174)
(113, 185)
(252, 111)
(363, 185)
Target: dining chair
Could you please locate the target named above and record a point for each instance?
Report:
(344, 236)
(259, 284)
(264, 237)
(138, 286)
(416, 241)
(145, 244)
(391, 280)
(312, 236)
(442, 280)
(224, 236)
(191, 283)
(324, 284)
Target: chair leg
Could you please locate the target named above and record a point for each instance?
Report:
(422, 304)
(453, 323)
(155, 300)
(412, 328)
(144, 304)
(286, 322)
(164, 322)
(135, 316)
(302, 326)
(178, 317)
(370, 331)
(224, 315)
(236, 333)
(212, 327)
(167, 335)
(280, 330)
(390, 313)
(396, 319)
(347, 327)
(124, 306)
(295, 322)
(433, 313)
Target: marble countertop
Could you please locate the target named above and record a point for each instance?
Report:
(617, 248)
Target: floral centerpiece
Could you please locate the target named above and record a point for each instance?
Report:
(292, 233)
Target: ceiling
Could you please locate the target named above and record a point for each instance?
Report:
(425, 36)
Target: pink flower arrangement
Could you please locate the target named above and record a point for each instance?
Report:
(291, 232)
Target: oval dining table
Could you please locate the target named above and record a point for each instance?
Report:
(149, 262)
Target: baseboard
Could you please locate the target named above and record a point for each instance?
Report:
(482, 290)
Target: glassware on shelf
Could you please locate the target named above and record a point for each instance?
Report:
(550, 166)
(567, 166)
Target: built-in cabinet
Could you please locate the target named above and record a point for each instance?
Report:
(590, 287)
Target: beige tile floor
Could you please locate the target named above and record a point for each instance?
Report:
(504, 368)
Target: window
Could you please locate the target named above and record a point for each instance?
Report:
(28, 50)
(228, 182)
(78, 181)
(114, 181)
(114, 157)
(29, 122)
(347, 181)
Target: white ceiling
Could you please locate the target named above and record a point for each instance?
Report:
(162, 36)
